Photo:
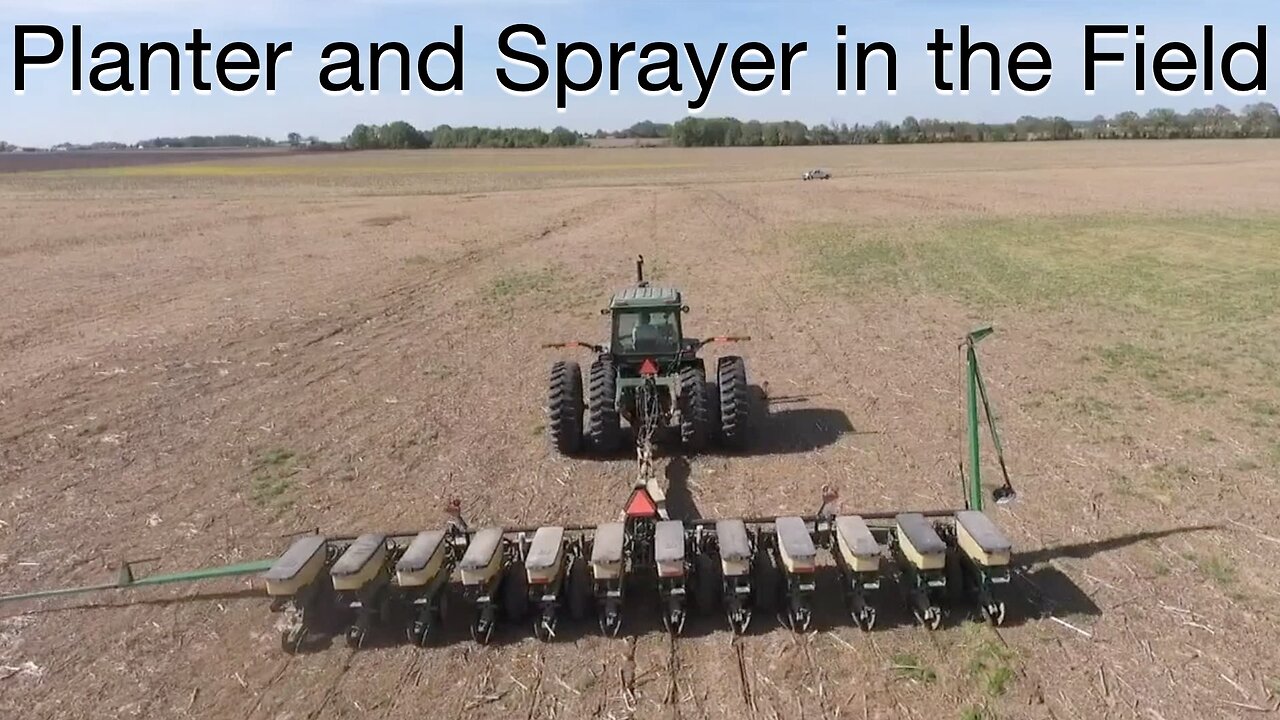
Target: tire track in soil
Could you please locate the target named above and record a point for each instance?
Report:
(656, 184)
(940, 652)
(535, 697)
(411, 305)
(288, 660)
(671, 701)
(744, 677)
(917, 201)
(331, 688)
(484, 676)
(403, 301)
(595, 698)
(409, 298)
(815, 671)
(833, 367)
(1038, 680)
(407, 302)
(410, 675)
(760, 222)
(1044, 603)
(627, 676)
(831, 364)
(599, 694)
(329, 691)
(766, 276)
(1031, 674)
(737, 208)
(888, 665)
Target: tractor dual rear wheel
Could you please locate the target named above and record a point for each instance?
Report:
(731, 379)
(695, 409)
(564, 407)
(604, 428)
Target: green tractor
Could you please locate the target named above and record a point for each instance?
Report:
(650, 376)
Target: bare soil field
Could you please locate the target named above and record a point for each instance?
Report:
(198, 359)
(11, 162)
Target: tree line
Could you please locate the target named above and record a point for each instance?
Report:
(1260, 120)
(207, 141)
(401, 135)
(189, 142)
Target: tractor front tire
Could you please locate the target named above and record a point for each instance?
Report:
(604, 428)
(564, 407)
(731, 377)
(695, 428)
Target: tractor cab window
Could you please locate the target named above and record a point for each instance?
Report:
(647, 331)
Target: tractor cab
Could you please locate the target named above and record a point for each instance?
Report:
(646, 322)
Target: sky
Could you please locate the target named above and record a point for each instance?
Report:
(48, 112)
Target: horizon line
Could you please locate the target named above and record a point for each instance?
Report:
(1235, 111)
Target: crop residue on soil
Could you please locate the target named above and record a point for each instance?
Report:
(198, 362)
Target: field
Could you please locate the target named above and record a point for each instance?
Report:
(22, 162)
(197, 359)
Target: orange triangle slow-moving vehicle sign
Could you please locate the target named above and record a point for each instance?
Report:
(641, 504)
(648, 367)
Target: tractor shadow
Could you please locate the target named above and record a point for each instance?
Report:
(783, 425)
(775, 427)
(680, 502)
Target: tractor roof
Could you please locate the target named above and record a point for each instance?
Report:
(645, 296)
